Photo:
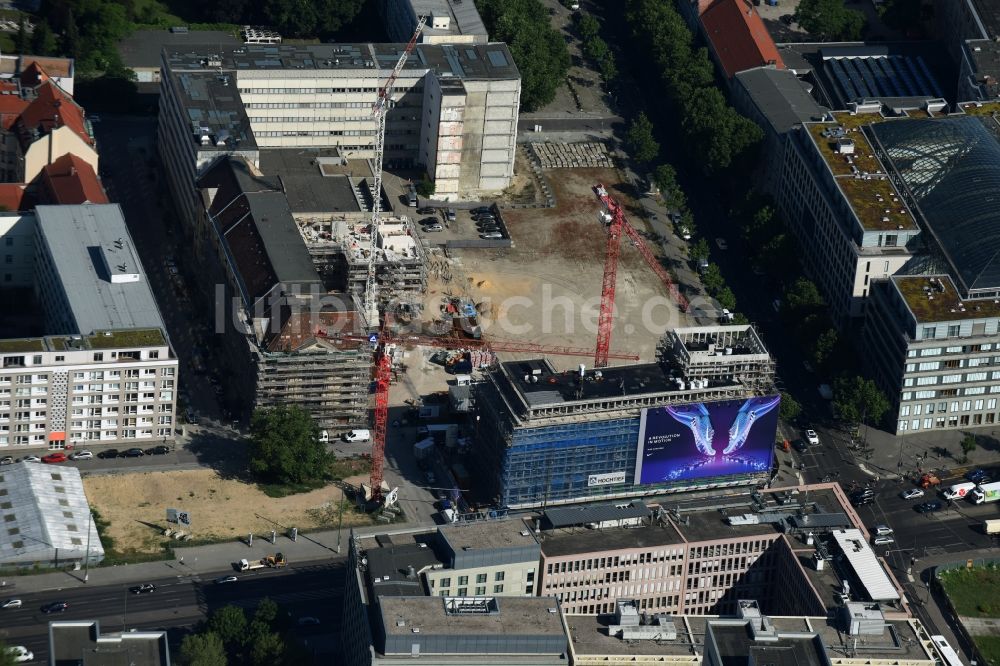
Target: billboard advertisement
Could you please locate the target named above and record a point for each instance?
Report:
(705, 439)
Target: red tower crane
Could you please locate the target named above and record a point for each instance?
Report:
(618, 225)
(383, 376)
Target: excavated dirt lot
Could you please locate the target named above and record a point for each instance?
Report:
(546, 289)
(136, 504)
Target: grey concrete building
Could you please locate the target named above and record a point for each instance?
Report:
(454, 112)
(81, 642)
(448, 21)
(485, 558)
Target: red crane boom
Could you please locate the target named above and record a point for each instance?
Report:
(383, 376)
(619, 224)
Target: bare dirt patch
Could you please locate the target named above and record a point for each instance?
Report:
(135, 506)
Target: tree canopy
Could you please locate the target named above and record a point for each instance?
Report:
(859, 400)
(285, 446)
(228, 638)
(640, 141)
(203, 650)
(830, 19)
(538, 49)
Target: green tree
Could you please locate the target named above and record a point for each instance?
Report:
(712, 278)
(803, 297)
(609, 68)
(640, 141)
(203, 650)
(789, 409)
(538, 49)
(726, 298)
(267, 611)
(43, 42)
(22, 42)
(905, 15)
(665, 179)
(265, 647)
(310, 18)
(285, 446)
(859, 400)
(823, 348)
(700, 250)
(425, 187)
(229, 623)
(596, 49)
(71, 38)
(830, 19)
(587, 25)
(968, 446)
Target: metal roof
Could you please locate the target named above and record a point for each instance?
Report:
(866, 565)
(94, 262)
(595, 513)
(952, 167)
(780, 97)
(44, 510)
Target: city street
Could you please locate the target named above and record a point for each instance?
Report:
(312, 589)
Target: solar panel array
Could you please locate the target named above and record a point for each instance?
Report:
(881, 77)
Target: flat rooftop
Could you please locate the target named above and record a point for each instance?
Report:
(94, 262)
(314, 180)
(590, 637)
(514, 616)
(463, 18)
(464, 61)
(136, 337)
(936, 299)
(390, 559)
(214, 109)
(579, 540)
(81, 642)
(860, 175)
(736, 644)
(505, 533)
(780, 97)
(900, 641)
(143, 48)
(989, 14)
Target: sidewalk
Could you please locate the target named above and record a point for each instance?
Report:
(198, 561)
(931, 451)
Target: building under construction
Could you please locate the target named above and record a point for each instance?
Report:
(548, 437)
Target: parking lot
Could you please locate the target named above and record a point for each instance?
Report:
(436, 229)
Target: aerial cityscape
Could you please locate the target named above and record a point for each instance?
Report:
(506, 332)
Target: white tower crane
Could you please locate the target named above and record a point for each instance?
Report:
(380, 108)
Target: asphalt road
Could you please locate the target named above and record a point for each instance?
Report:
(302, 589)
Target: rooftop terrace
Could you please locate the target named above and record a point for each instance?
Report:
(99, 340)
(935, 299)
(859, 173)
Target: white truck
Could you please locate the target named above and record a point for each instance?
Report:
(988, 492)
(991, 526)
(958, 490)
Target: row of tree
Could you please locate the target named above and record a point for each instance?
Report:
(230, 637)
(538, 49)
(715, 135)
(594, 47)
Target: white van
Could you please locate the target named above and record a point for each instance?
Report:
(357, 436)
(324, 437)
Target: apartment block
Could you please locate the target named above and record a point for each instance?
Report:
(549, 437)
(216, 101)
(104, 371)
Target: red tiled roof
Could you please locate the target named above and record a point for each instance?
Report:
(738, 36)
(11, 107)
(14, 197)
(34, 75)
(70, 180)
(42, 111)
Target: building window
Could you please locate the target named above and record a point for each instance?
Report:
(954, 330)
(446, 582)
(98, 356)
(481, 591)
(9, 240)
(498, 589)
(481, 578)
(463, 591)
(463, 580)
(498, 577)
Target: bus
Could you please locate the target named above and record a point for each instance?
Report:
(948, 655)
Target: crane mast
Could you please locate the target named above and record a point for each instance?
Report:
(380, 108)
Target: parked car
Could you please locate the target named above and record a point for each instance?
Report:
(800, 445)
(307, 620)
(55, 457)
(357, 436)
(11, 603)
(144, 588)
(482, 210)
(485, 217)
(81, 455)
(721, 244)
(433, 227)
(912, 493)
(191, 416)
(20, 654)
(787, 19)
(882, 530)
(159, 450)
(107, 455)
(425, 210)
(429, 220)
(491, 235)
(226, 579)
(927, 507)
(812, 437)
(134, 453)
(979, 476)
(450, 214)
(488, 229)
(883, 540)
(55, 607)
(7, 460)
(31, 459)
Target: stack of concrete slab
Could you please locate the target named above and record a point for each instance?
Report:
(571, 155)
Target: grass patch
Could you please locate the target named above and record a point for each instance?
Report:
(341, 468)
(989, 646)
(974, 592)
(277, 490)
